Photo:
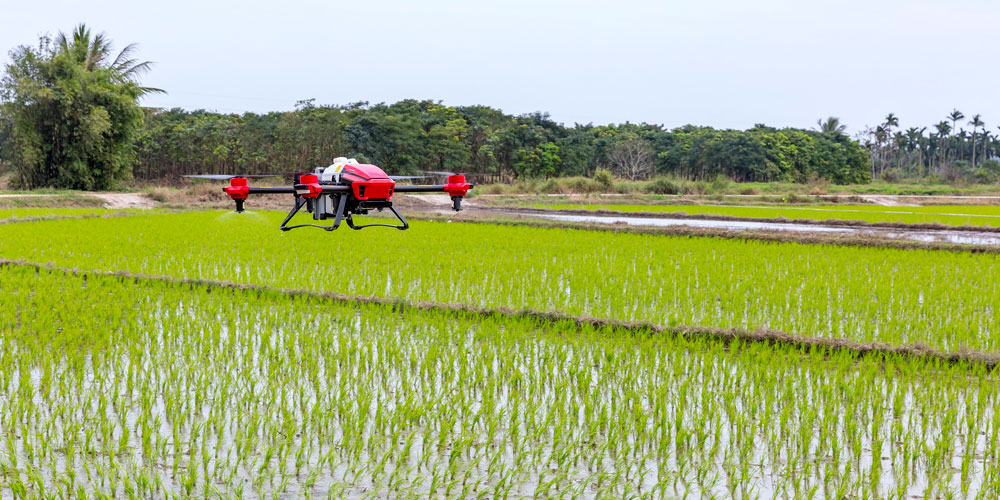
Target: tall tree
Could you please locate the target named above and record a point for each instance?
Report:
(631, 158)
(891, 120)
(976, 122)
(987, 140)
(74, 111)
(955, 116)
(831, 125)
(944, 130)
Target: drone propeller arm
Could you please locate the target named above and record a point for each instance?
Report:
(239, 190)
(456, 188)
(272, 190)
(291, 190)
(434, 188)
(456, 194)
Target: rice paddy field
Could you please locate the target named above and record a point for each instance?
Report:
(208, 355)
(951, 215)
(20, 214)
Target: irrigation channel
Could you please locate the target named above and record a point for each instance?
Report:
(965, 237)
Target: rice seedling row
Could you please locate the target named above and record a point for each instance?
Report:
(946, 300)
(21, 214)
(143, 389)
(958, 215)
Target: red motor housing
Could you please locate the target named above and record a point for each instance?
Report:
(308, 186)
(457, 187)
(237, 188)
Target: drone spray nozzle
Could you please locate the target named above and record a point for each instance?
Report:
(457, 188)
(238, 190)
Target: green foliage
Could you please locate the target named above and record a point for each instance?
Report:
(988, 171)
(603, 177)
(764, 154)
(719, 185)
(410, 135)
(663, 185)
(542, 161)
(72, 113)
(550, 186)
(944, 150)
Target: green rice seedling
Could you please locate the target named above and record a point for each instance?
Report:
(726, 409)
(952, 215)
(945, 300)
(27, 214)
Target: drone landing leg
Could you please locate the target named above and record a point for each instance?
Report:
(340, 213)
(403, 227)
(300, 202)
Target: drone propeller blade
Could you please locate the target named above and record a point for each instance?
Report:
(406, 177)
(221, 177)
(433, 172)
(449, 174)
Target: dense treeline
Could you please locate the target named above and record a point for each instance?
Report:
(411, 135)
(946, 150)
(69, 118)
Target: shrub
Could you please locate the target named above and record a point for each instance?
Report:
(603, 177)
(526, 186)
(491, 189)
(158, 194)
(662, 185)
(581, 185)
(719, 185)
(551, 186)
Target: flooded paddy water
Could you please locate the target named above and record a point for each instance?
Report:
(144, 387)
(221, 392)
(931, 236)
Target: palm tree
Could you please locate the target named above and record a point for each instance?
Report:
(943, 130)
(961, 135)
(891, 120)
(881, 136)
(94, 53)
(987, 140)
(933, 145)
(976, 123)
(831, 125)
(914, 138)
(955, 116)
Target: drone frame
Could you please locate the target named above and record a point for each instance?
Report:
(355, 199)
(340, 216)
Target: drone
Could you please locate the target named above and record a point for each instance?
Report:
(339, 192)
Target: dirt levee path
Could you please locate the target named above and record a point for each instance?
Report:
(125, 200)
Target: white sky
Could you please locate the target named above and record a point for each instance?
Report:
(724, 63)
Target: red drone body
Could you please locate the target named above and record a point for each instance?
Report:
(341, 191)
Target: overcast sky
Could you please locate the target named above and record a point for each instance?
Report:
(724, 63)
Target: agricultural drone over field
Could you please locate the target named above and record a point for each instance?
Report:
(343, 190)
